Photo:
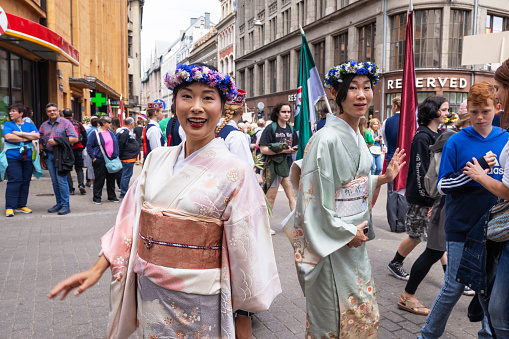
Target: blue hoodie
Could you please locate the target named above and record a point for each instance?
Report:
(467, 200)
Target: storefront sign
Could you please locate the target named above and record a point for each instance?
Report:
(430, 83)
(292, 97)
(3, 21)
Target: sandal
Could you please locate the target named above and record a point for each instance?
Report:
(414, 307)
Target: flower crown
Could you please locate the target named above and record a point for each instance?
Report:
(190, 73)
(336, 74)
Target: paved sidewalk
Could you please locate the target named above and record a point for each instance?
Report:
(40, 249)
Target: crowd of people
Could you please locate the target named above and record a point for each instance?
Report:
(191, 252)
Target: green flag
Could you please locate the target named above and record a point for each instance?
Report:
(310, 90)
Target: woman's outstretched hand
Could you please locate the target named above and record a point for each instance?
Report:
(81, 281)
(395, 165)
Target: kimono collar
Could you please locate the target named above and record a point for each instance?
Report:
(354, 135)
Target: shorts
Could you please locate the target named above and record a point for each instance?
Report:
(277, 181)
(416, 224)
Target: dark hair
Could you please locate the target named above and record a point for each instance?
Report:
(186, 84)
(29, 112)
(342, 88)
(18, 107)
(67, 112)
(275, 111)
(94, 122)
(139, 122)
(502, 76)
(115, 123)
(51, 104)
(428, 109)
(324, 110)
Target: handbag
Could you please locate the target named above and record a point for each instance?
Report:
(112, 165)
(498, 224)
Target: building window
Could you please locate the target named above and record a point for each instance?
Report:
(242, 79)
(341, 48)
(367, 36)
(398, 35)
(273, 75)
(285, 60)
(301, 12)
(261, 79)
(250, 75)
(129, 46)
(273, 28)
(242, 49)
(455, 99)
(131, 80)
(341, 3)
(319, 56)
(320, 9)
(427, 39)
(262, 34)
(459, 27)
(287, 21)
(251, 41)
(496, 24)
(388, 104)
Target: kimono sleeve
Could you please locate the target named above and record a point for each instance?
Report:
(325, 231)
(254, 276)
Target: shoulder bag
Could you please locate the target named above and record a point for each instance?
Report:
(112, 165)
(498, 224)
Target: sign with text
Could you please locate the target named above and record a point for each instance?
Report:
(3, 21)
(431, 82)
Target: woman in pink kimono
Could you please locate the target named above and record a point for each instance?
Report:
(191, 243)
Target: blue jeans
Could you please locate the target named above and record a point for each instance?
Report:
(19, 174)
(377, 166)
(127, 173)
(448, 297)
(60, 185)
(498, 307)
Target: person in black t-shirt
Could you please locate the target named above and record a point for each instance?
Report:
(138, 133)
(279, 141)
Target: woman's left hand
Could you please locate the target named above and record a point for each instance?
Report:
(474, 170)
(395, 165)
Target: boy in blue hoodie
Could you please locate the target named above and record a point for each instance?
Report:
(466, 200)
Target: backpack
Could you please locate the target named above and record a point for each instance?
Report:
(431, 177)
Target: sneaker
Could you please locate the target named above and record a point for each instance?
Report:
(55, 209)
(97, 202)
(23, 210)
(71, 191)
(468, 291)
(9, 212)
(398, 271)
(122, 195)
(64, 210)
(83, 191)
(272, 232)
(114, 200)
(88, 184)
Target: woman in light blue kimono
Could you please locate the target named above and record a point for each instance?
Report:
(332, 217)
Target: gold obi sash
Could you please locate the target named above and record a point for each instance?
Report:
(178, 239)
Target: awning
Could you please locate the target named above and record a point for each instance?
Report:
(103, 88)
(81, 83)
(39, 40)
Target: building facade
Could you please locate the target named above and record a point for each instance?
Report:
(226, 38)
(268, 44)
(204, 50)
(72, 53)
(135, 17)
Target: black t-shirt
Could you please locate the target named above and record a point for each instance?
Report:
(283, 135)
(138, 132)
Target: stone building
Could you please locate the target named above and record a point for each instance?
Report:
(135, 16)
(73, 53)
(226, 38)
(268, 44)
(204, 50)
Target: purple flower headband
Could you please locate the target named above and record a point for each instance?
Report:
(190, 73)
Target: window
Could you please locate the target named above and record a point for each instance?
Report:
(262, 35)
(301, 12)
(287, 21)
(273, 75)
(455, 99)
(423, 95)
(388, 104)
(131, 80)
(398, 36)
(242, 78)
(367, 36)
(251, 41)
(459, 27)
(320, 9)
(341, 3)
(319, 56)
(273, 28)
(427, 39)
(129, 46)
(496, 24)
(261, 79)
(285, 60)
(250, 75)
(341, 48)
(242, 49)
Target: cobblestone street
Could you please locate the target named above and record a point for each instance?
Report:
(40, 249)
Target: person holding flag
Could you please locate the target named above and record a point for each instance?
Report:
(332, 218)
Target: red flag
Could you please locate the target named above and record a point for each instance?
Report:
(407, 122)
(110, 112)
(121, 111)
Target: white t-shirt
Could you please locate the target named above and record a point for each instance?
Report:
(504, 163)
(154, 135)
(238, 144)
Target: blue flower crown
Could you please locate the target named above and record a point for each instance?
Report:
(190, 73)
(337, 74)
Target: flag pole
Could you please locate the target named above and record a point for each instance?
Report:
(326, 100)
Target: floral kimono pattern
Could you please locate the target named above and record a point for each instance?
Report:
(161, 302)
(335, 193)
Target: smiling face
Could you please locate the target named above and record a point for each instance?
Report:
(358, 97)
(481, 116)
(443, 112)
(198, 109)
